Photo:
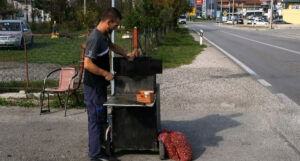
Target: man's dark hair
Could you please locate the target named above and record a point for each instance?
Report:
(111, 14)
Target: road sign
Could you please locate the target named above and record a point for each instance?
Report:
(199, 2)
(225, 13)
(193, 12)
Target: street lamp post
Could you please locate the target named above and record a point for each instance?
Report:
(271, 18)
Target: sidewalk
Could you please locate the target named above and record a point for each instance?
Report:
(226, 115)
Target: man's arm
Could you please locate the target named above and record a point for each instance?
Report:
(117, 49)
(91, 67)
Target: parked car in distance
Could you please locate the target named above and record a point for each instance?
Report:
(233, 19)
(182, 20)
(14, 32)
(240, 21)
(260, 22)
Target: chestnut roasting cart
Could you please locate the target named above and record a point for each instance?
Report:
(133, 125)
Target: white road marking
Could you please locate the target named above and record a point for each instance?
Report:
(242, 65)
(264, 83)
(274, 46)
(285, 98)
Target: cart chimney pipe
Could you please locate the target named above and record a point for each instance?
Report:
(135, 40)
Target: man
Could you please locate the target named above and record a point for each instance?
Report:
(97, 77)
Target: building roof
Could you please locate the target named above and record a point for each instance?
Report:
(11, 20)
(291, 1)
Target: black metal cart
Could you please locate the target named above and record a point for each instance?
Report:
(133, 125)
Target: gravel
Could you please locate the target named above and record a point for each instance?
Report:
(226, 115)
(16, 71)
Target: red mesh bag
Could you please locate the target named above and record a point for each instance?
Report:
(165, 138)
(182, 146)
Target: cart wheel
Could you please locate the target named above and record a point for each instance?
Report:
(109, 149)
(162, 151)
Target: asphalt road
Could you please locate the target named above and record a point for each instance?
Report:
(274, 56)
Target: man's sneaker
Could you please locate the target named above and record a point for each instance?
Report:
(102, 158)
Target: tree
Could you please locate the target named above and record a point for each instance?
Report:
(6, 9)
(56, 8)
(180, 7)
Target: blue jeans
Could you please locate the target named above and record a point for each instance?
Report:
(94, 99)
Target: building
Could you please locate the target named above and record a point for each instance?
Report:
(192, 3)
(239, 6)
(26, 11)
(244, 6)
(291, 11)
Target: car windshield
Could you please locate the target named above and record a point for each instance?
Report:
(183, 17)
(10, 26)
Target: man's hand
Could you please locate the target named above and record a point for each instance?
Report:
(108, 76)
(131, 56)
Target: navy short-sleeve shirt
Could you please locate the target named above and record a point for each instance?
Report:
(97, 49)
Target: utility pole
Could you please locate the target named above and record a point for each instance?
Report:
(31, 10)
(112, 82)
(204, 9)
(229, 10)
(233, 13)
(211, 9)
(271, 18)
(221, 8)
(26, 11)
(233, 8)
(254, 8)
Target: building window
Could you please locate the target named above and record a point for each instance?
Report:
(296, 6)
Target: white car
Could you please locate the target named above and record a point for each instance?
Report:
(182, 20)
(13, 33)
(260, 22)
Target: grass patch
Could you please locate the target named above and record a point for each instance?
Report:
(124, 43)
(35, 102)
(72, 103)
(26, 103)
(4, 102)
(15, 86)
(64, 51)
(177, 48)
(21, 103)
(34, 84)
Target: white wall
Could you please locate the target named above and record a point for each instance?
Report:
(27, 12)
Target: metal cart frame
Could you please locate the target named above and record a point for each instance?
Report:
(133, 125)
